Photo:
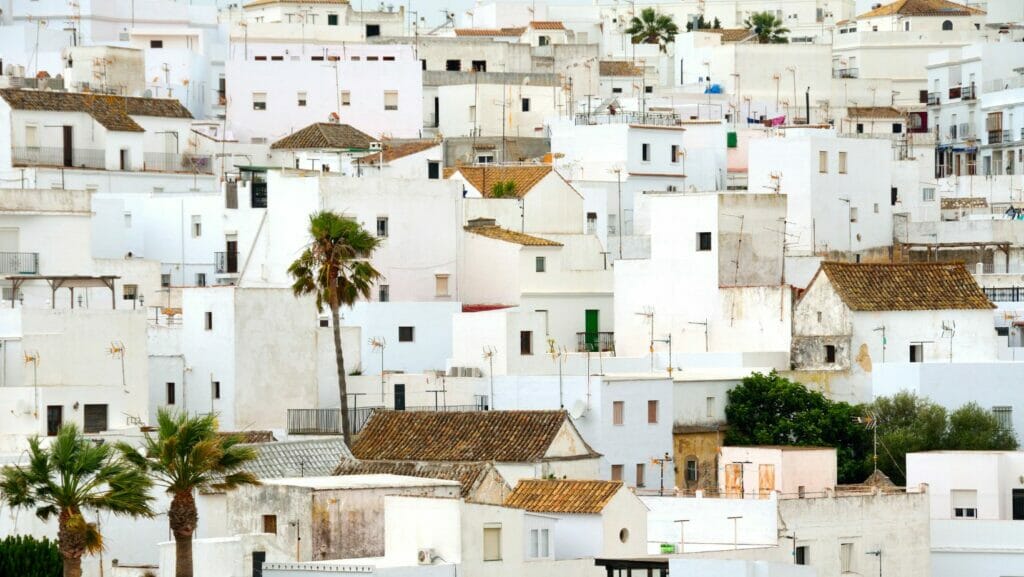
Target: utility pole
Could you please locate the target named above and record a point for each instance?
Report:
(735, 530)
(661, 463)
(682, 534)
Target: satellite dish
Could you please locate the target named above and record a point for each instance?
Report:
(579, 408)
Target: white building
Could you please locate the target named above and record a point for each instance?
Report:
(490, 107)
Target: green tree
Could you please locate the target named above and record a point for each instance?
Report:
(73, 474)
(188, 455)
(973, 428)
(768, 28)
(653, 28)
(335, 268)
(772, 410)
(25, 556)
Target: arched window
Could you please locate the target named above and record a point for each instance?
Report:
(947, 25)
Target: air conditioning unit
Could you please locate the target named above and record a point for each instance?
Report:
(425, 556)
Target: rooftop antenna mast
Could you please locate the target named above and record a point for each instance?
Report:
(949, 331)
(34, 358)
(117, 351)
(489, 353)
(648, 313)
(379, 344)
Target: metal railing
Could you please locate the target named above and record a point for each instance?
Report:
(1013, 294)
(968, 92)
(998, 136)
(598, 342)
(258, 195)
(19, 263)
(446, 408)
(58, 156)
(846, 73)
(326, 421)
(226, 262)
(934, 99)
(653, 118)
(173, 162)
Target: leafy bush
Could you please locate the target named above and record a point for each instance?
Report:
(24, 556)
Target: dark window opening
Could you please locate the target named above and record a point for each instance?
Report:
(703, 241)
(894, 195)
(525, 342)
(405, 334)
(830, 353)
(526, 105)
(270, 524)
(332, 19)
(479, 66)
(95, 418)
(54, 419)
(156, 43)
(917, 353)
(216, 389)
(170, 393)
(372, 30)
(453, 65)
(433, 170)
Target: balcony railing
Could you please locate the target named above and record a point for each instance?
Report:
(19, 263)
(968, 92)
(1013, 294)
(655, 118)
(171, 162)
(328, 422)
(226, 262)
(59, 156)
(998, 136)
(595, 342)
(846, 73)
(934, 99)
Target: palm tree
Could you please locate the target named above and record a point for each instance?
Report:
(72, 474)
(768, 28)
(653, 28)
(335, 268)
(188, 455)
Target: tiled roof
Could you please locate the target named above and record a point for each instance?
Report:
(905, 286)
(483, 177)
(546, 25)
(922, 8)
(619, 68)
(489, 31)
(874, 112)
(732, 34)
(501, 436)
(250, 436)
(964, 202)
(399, 150)
(325, 135)
(255, 3)
(112, 112)
(313, 458)
(562, 496)
(498, 233)
(468, 475)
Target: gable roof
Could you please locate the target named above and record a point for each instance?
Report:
(313, 458)
(562, 496)
(905, 286)
(394, 151)
(922, 8)
(468, 475)
(731, 34)
(322, 135)
(112, 112)
(547, 25)
(874, 112)
(501, 436)
(619, 68)
(483, 177)
(489, 31)
(504, 234)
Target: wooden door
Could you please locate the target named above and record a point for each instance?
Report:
(69, 155)
(765, 480)
(734, 480)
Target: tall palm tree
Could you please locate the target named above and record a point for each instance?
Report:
(768, 28)
(188, 455)
(73, 474)
(653, 28)
(335, 268)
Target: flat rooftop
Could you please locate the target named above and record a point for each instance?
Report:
(360, 482)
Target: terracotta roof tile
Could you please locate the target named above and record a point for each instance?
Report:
(255, 3)
(501, 436)
(732, 34)
(905, 286)
(250, 436)
(468, 475)
(483, 177)
(489, 31)
(922, 8)
(875, 112)
(112, 112)
(312, 458)
(546, 25)
(562, 496)
(399, 150)
(964, 202)
(498, 233)
(325, 135)
(619, 68)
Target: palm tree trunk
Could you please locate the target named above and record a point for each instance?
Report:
(339, 357)
(72, 567)
(183, 519)
(71, 544)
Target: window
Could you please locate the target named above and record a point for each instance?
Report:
(259, 100)
(165, 280)
(406, 334)
(525, 104)
(534, 543)
(649, 89)
(346, 98)
(382, 226)
(917, 353)
(842, 163)
(129, 292)
(301, 97)
(652, 412)
(894, 195)
(541, 264)
(208, 320)
(372, 30)
(324, 323)
(441, 285)
(675, 154)
(433, 170)
(1004, 415)
(390, 100)
(876, 208)
(645, 152)
(383, 293)
(947, 24)
(830, 354)
(823, 161)
(853, 214)
(691, 470)
(200, 279)
(639, 474)
(372, 59)
(453, 65)
(846, 557)
(616, 91)
(197, 226)
(479, 66)
(277, 58)
(127, 219)
(928, 194)
(965, 503)
(54, 419)
(216, 389)
(703, 241)
(860, 128)
(492, 542)
(31, 136)
(545, 543)
(897, 128)
(618, 412)
(616, 472)
(270, 524)
(525, 342)
(156, 43)
(260, 58)
(169, 390)
(95, 418)
(709, 406)
(543, 40)
(802, 555)
(332, 19)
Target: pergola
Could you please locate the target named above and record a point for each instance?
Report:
(935, 247)
(70, 282)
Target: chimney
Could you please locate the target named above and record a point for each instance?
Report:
(481, 223)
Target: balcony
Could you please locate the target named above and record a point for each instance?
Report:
(934, 99)
(846, 73)
(226, 262)
(954, 92)
(59, 157)
(969, 93)
(999, 137)
(649, 118)
(19, 263)
(595, 342)
(328, 422)
(171, 162)
(1013, 294)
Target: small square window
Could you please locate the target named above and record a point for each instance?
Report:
(541, 264)
(156, 43)
(616, 472)
(259, 100)
(346, 98)
(648, 90)
(453, 65)
(332, 19)
(165, 280)
(301, 97)
(928, 194)
(703, 241)
(208, 321)
(478, 66)
(406, 334)
(390, 100)
(270, 524)
(526, 105)
(830, 354)
(200, 279)
(441, 285)
(130, 292)
(382, 226)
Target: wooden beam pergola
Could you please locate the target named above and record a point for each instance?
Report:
(1004, 247)
(70, 282)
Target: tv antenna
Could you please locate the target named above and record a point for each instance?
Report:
(379, 344)
(948, 332)
(117, 350)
